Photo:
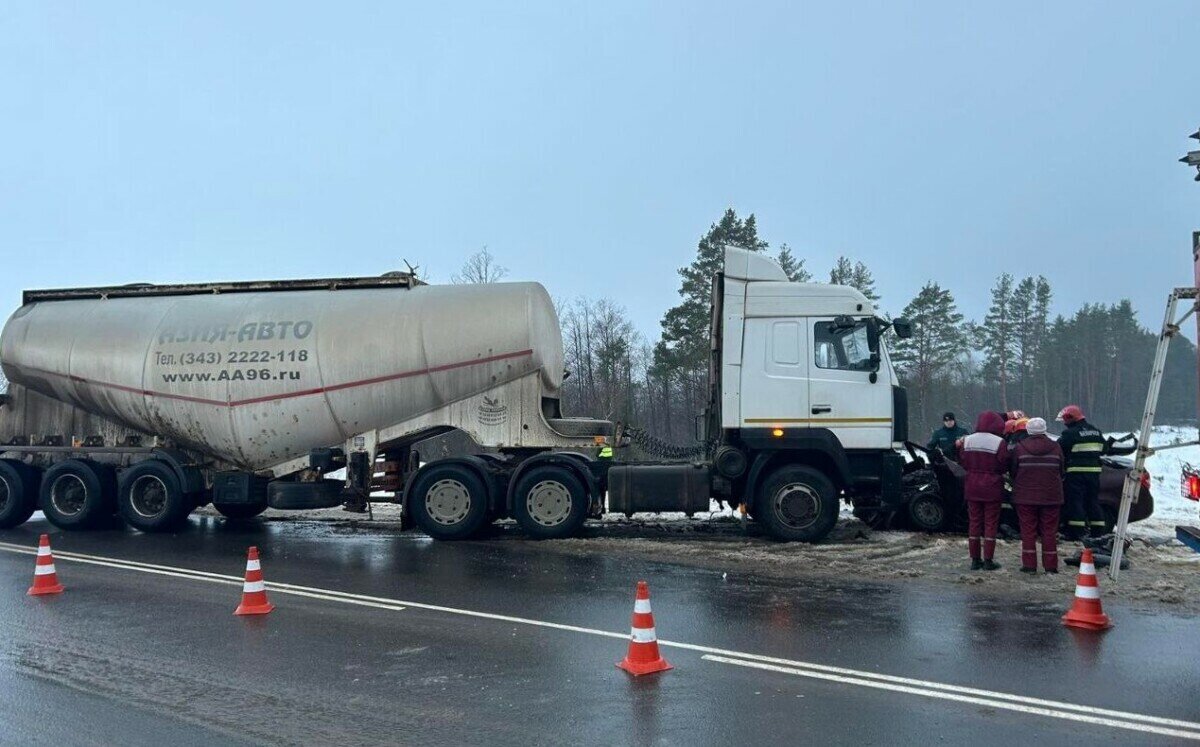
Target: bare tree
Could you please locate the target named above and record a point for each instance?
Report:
(480, 267)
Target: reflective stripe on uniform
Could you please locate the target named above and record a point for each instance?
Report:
(1086, 446)
(1074, 523)
(1084, 469)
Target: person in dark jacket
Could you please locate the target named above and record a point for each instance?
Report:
(984, 455)
(945, 439)
(1082, 446)
(1036, 467)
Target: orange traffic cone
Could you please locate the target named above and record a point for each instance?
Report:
(1086, 612)
(643, 656)
(254, 591)
(45, 579)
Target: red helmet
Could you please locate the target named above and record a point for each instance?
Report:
(1069, 414)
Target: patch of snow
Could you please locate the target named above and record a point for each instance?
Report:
(1166, 471)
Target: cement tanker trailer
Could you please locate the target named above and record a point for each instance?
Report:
(147, 401)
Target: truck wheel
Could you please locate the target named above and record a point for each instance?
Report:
(18, 493)
(150, 498)
(550, 503)
(77, 494)
(926, 513)
(797, 504)
(239, 510)
(449, 502)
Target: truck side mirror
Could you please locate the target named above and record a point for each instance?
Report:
(903, 327)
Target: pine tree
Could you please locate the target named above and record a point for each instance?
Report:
(842, 272)
(793, 267)
(856, 275)
(938, 341)
(681, 355)
(996, 337)
(1024, 337)
(1042, 297)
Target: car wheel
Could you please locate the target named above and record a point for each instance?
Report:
(77, 494)
(449, 502)
(550, 503)
(927, 513)
(18, 493)
(797, 504)
(151, 499)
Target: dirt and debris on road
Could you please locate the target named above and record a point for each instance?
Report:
(1164, 575)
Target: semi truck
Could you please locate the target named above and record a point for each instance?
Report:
(148, 401)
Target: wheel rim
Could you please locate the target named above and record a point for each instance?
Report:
(928, 512)
(68, 495)
(548, 503)
(148, 496)
(448, 502)
(797, 505)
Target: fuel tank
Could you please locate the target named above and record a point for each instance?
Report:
(258, 378)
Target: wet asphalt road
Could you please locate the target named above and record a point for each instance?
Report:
(159, 659)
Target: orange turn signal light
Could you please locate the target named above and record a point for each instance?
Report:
(777, 432)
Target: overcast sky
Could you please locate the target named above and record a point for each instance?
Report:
(590, 145)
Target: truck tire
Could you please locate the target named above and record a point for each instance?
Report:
(18, 493)
(550, 503)
(77, 494)
(151, 499)
(797, 504)
(927, 513)
(449, 502)
(239, 510)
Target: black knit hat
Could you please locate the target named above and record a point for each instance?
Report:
(949, 416)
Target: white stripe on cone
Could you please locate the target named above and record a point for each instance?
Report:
(43, 570)
(253, 586)
(253, 565)
(641, 606)
(643, 635)
(1088, 569)
(43, 550)
(1087, 592)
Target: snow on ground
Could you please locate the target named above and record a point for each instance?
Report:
(1166, 469)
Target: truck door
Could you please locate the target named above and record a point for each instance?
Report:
(842, 396)
(775, 369)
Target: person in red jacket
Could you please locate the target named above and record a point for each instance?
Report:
(984, 455)
(1036, 466)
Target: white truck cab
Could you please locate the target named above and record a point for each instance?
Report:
(802, 380)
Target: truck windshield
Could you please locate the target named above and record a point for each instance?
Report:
(843, 347)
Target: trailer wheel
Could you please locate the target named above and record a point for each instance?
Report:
(449, 502)
(550, 503)
(77, 494)
(797, 504)
(18, 493)
(150, 498)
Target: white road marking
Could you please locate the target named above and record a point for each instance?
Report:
(1039, 706)
(942, 695)
(159, 570)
